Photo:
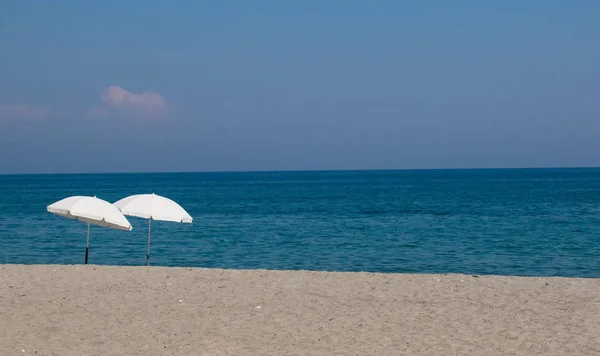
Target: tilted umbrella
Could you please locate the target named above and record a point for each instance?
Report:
(92, 211)
(152, 207)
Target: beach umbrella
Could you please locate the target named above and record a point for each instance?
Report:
(92, 211)
(152, 207)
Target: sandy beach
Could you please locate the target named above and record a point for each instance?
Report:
(94, 310)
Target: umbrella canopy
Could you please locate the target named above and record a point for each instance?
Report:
(92, 211)
(153, 207)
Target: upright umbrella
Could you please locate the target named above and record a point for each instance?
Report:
(92, 211)
(152, 207)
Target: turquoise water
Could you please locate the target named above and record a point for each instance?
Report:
(507, 222)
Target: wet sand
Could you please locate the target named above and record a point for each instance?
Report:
(93, 310)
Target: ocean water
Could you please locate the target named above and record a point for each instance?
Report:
(535, 222)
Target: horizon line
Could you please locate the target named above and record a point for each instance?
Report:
(307, 170)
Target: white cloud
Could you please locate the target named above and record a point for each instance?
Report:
(148, 103)
(21, 111)
(116, 102)
(97, 113)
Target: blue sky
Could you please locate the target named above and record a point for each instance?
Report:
(113, 86)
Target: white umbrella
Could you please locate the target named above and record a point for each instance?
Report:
(153, 207)
(92, 211)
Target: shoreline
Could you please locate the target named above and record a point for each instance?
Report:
(140, 310)
(296, 270)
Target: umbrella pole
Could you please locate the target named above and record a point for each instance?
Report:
(148, 254)
(87, 244)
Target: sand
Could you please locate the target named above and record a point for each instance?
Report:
(94, 310)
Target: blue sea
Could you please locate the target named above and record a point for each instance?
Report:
(530, 222)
